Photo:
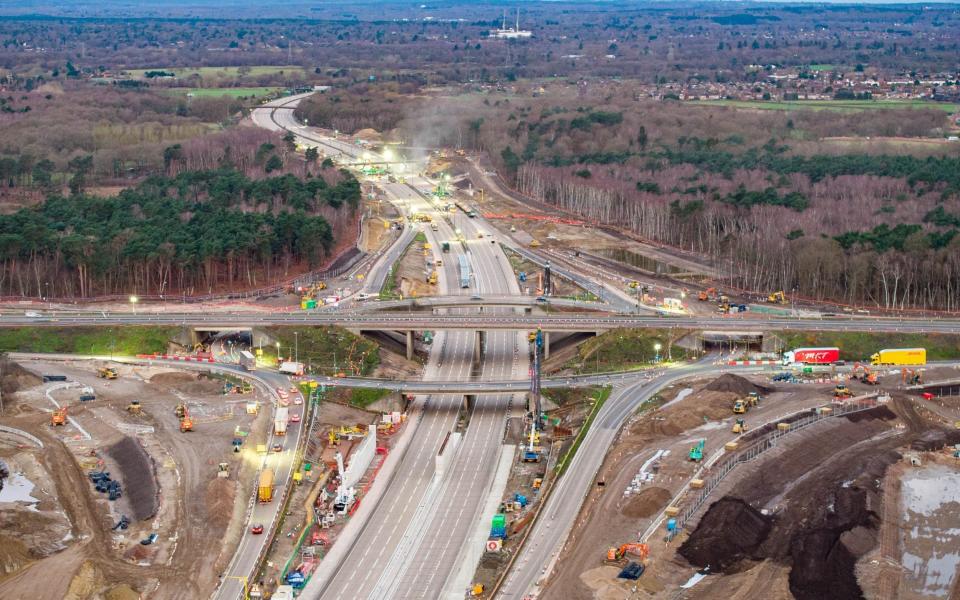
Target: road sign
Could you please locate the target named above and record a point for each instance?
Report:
(494, 545)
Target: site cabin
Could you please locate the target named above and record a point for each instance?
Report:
(900, 357)
(812, 356)
(265, 486)
(247, 360)
(291, 368)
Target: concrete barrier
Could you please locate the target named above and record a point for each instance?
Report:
(27, 436)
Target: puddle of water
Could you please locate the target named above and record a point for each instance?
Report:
(640, 261)
(929, 498)
(17, 488)
(925, 490)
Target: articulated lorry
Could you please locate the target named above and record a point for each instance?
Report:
(811, 356)
(900, 357)
(291, 368)
(247, 360)
(265, 486)
(280, 421)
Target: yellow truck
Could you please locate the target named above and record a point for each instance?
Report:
(900, 357)
(265, 487)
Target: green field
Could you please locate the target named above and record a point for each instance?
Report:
(237, 92)
(324, 350)
(823, 67)
(218, 72)
(106, 341)
(832, 105)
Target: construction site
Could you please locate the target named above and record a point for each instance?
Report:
(775, 487)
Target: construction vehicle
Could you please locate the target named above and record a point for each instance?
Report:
(265, 486)
(753, 398)
(535, 244)
(739, 407)
(432, 278)
(107, 373)
(180, 410)
(842, 391)
(498, 529)
(641, 551)
(531, 455)
(723, 308)
(811, 356)
(911, 376)
(186, 423)
(445, 246)
(900, 357)
(280, 421)
(696, 453)
(58, 417)
(779, 297)
(477, 589)
(739, 426)
(134, 408)
(706, 295)
(223, 470)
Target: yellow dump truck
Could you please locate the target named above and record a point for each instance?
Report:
(265, 487)
(900, 357)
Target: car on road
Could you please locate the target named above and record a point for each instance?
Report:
(541, 298)
(293, 389)
(256, 529)
(297, 400)
(278, 447)
(295, 418)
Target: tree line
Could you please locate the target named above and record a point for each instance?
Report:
(195, 232)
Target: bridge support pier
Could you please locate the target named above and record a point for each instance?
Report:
(479, 341)
(409, 345)
(546, 345)
(469, 400)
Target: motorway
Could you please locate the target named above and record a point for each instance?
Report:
(410, 546)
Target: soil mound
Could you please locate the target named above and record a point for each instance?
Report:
(736, 384)
(14, 379)
(646, 503)
(823, 567)
(728, 533)
(881, 412)
(187, 383)
(219, 501)
(137, 477)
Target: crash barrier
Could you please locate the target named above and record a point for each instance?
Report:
(23, 434)
(202, 359)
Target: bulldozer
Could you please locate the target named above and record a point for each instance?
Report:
(58, 417)
(842, 391)
(642, 551)
(134, 408)
(107, 373)
(739, 426)
(777, 297)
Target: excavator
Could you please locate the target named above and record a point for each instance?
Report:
(696, 453)
(863, 374)
(58, 417)
(642, 551)
(777, 297)
(910, 376)
(134, 407)
(705, 295)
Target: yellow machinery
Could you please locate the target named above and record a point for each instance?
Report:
(477, 589)
(753, 399)
(107, 373)
(535, 244)
(739, 426)
(181, 410)
(432, 279)
(59, 417)
(842, 391)
(134, 407)
(739, 407)
(779, 297)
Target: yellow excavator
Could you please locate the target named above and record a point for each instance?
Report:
(777, 297)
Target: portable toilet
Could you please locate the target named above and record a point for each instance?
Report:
(671, 525)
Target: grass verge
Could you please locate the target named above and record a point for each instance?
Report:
(324, 350)
(391, 287)
(856, 345)
(598, 403)
(362, 398)
(237, 92)
(118, 341)
(623, 349)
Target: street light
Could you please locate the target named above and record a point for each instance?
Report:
(296, 346)
(133, 303)
(278, 352)
(656, 348)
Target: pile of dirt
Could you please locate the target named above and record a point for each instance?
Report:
(731, 531)
(693, 411)
(121, 592)
(647, 503)
(14, 555)
(14, 378)
(85, 583)
(219, 502)
(137, 553)
(187, 383)
(736, 384)
(138, 477)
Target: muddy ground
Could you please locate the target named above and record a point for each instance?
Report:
(169, 481)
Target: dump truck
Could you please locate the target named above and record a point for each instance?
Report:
(432, 279)
(265, 486)
(107, 373)
(280, 421)
(811, 356)
(900, 357)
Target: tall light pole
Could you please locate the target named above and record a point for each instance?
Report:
(278, 353)
(296, 346)
(656, 348)
(133, 304)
